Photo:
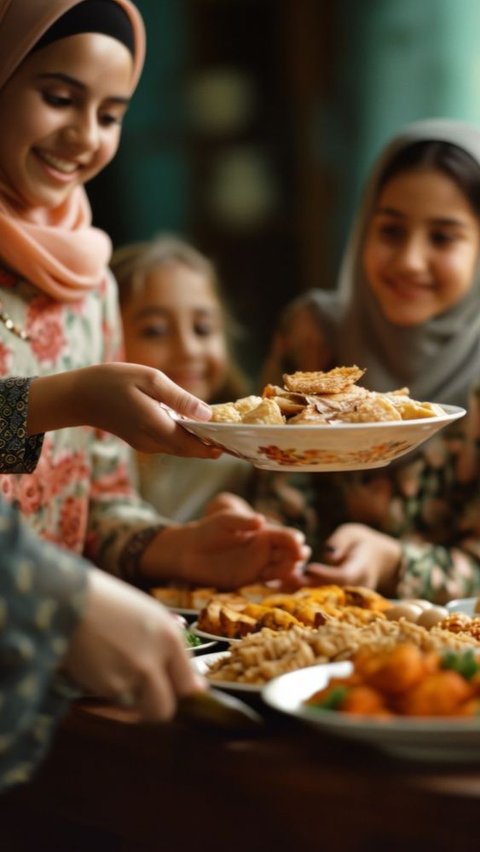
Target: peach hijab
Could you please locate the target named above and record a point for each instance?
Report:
(58, 250)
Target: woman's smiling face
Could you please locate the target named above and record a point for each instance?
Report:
(61, 115)
(422, 246)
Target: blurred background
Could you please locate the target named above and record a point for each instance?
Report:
(256, 121)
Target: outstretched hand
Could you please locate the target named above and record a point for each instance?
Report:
(227, 549)
(358, 556)
(128, 400)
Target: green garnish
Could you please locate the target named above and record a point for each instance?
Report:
(463, 662)
(332, 701)
(191, 640)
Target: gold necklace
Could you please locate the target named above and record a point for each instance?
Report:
(11, 326)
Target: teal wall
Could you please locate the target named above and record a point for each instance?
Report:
(145, 189)
(391, 61)
(396, 61)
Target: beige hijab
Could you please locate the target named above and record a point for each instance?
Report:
(439, 360)
(57, 250)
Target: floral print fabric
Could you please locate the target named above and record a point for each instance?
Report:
(80, 495)
(430, 501)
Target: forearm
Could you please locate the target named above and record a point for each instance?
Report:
(59, 401)
(163, 558)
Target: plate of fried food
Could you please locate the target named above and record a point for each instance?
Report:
(408, 702)
(183, 599)
(267, 653)
(323, 421)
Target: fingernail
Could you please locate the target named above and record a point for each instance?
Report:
(202, 411)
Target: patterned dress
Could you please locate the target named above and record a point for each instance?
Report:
(430, 502)
(42, 592)
(80, 494)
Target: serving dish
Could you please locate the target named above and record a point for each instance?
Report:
(464, 605)
(425, 739)
(323, 447)
(214, 636)
(199, 649)
(202, 665)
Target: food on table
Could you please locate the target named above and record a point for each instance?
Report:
(418, 611)
(333, 381)
(405, 680)
(233, 615)
(323, 397)
(190, 639)
(259, 657)
(183, 597)
(195, 597)
(462, 624)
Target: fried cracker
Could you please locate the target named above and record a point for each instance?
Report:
(267, 412)
(334, 381)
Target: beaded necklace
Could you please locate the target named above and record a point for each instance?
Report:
(11, 326)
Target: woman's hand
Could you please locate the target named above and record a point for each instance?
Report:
(122, 399)
(128, 648)
(358, 556)
(226, 549)
(227, 500)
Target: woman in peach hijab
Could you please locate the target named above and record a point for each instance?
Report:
(67, 72)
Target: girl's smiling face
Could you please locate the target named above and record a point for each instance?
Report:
(61, 115)
(422, 246)
(173, 322)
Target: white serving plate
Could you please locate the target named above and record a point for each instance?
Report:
(465, 605)
(323, 447)
(201, 665)
(215, 636)
(426, 739)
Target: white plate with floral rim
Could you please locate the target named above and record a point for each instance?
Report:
(323, 447)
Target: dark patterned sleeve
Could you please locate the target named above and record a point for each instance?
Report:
(42, 595)
(19, 453)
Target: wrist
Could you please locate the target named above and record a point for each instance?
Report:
(52, 403)
(165, 557)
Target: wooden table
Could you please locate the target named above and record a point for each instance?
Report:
(112, 786)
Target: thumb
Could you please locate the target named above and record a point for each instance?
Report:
(178, 399)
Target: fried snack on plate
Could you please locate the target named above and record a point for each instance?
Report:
(334, 381)
(306, 611)
(461, 624)
(411, 409)
(272, 617)
(375, 408)
(309, 414)
(247, 403)
(267, 412)
(367, 598)
(327, 594)
(172, 595)
(225, 412)
(199, 597)
(234, 623)
(255, 592)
